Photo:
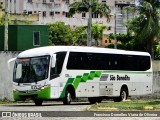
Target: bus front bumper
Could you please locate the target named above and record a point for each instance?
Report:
(23, 95)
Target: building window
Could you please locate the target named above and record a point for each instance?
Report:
(109, 28)
(30, 1)
(67, 14)
(29, 12)
(94, 15)
(51, 13)
(67, 1)
(44, 1)
(51, 0)
(104, 1)
(109, 41)
(105, 41)
(64, 13)
(44, 14)
(57, 12)
(36, 38)
(83, 15)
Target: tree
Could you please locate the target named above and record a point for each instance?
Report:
(97, 32)
(146, 25)
(84, 6)
(2, 20)
(79, 35)
(126, 42)
(59, 34)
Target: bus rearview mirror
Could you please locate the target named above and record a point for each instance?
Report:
(53, 60)
(9, 62)
(19, 71)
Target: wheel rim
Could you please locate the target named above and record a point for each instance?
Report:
(123, 95)
(69, 98)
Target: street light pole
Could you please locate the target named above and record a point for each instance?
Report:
(6, 26)
(89, 36)
(115, 40)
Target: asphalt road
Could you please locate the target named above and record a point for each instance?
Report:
(56, 109)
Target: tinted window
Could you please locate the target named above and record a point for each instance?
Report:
(60, 56)
(101, 61)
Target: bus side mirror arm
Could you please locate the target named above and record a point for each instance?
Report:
(53, 64)
(9, 61)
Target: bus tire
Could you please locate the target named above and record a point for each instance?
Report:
(68, 98)
(38, 102)
(123, 95)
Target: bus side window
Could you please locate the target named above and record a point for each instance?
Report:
(59, 64)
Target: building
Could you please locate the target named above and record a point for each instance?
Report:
(57, 10)
(23, 37)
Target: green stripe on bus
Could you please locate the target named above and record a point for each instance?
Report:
(76, 81)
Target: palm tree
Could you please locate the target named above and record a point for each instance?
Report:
(97, 31)
(146, 25)
(84, 5)
(91, 6)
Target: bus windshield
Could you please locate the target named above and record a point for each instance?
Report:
(29, 70)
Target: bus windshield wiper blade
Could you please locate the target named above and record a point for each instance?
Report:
(19, 81)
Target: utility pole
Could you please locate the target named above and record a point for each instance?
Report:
(6, 27)
(115, 39)
(89, 36)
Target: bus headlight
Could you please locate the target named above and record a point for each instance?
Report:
(43, 87)
(14, 90)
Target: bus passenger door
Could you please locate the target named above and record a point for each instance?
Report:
(55, 73)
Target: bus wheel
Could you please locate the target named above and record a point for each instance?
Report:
(38, 102)
(68, 98)
(123, 96)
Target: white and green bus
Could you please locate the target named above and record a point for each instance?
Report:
(69, 72)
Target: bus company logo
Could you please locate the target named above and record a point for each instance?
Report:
(104, 77)
(6, 114)
(119, 78)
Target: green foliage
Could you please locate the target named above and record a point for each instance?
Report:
(79, 36)
(97, 32)
(131, 105)
(157, 52)
(127, 42)
(60, 34)
(2, 20)
(98, 8)
(15, 22)
(146, 25)
(1, 6)
(27, 22)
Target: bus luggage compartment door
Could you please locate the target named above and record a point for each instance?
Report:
(106, 89)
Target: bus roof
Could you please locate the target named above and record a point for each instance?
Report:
(49, 50)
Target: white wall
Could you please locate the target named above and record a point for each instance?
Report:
(6, 75)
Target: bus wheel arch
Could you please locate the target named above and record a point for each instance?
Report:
(69, 95)
(124, 93)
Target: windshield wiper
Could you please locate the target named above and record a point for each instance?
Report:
(19, 81)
